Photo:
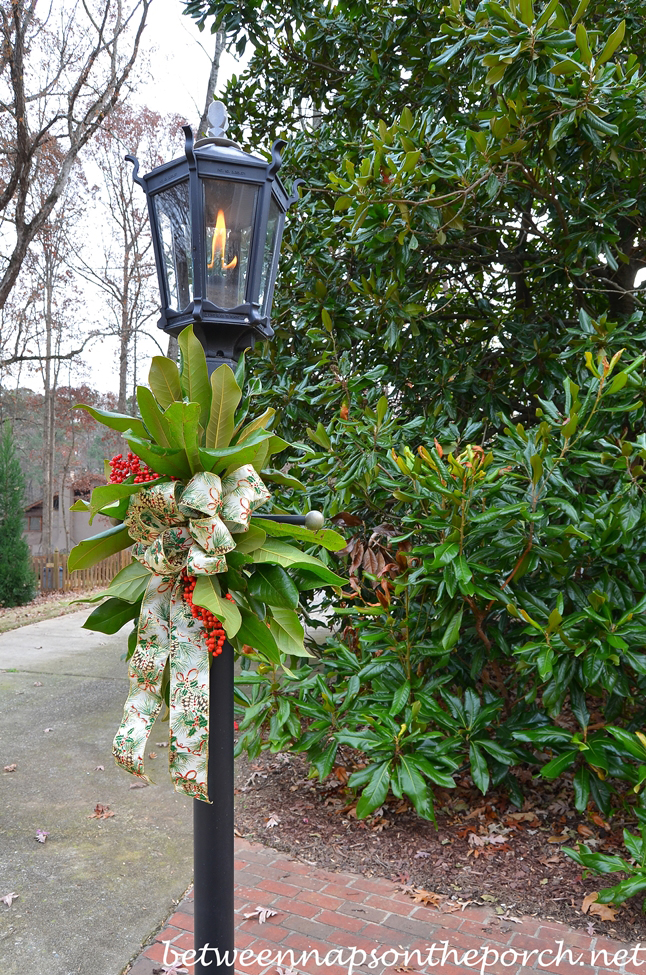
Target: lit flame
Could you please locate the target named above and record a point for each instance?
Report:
(218, 244)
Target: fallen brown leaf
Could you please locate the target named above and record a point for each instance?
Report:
(152, 754)
(139, 785)
(272, 821)
(10, 768)
(38, 683)
(261, 914)
(99, 768)
(101, 812)
(428, 897)
(558, 839)
(584, 830)
(603, 911)
(8, 899)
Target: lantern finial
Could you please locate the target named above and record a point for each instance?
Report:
(219, 119)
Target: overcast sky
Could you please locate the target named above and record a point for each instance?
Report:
(176, 63)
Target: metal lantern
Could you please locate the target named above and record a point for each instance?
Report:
(217, 218)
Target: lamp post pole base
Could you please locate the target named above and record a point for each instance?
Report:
(213, 833)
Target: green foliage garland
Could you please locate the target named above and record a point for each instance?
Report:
(190, 424)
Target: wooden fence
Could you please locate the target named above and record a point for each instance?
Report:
(53, 575)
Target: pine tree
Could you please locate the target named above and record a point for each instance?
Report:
(16, 575)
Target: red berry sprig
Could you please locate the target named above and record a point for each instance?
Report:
(120, 469)
(214, 631)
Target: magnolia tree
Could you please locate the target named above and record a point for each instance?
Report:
(459, 339)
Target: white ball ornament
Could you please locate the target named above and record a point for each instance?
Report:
(314, 520)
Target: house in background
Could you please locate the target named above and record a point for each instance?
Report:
(68, 527)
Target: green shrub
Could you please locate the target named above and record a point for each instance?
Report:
(498, 612)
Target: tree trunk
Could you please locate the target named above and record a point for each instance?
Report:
(210, 88)
(48, 420)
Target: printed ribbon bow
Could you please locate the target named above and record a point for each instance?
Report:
(177, 527)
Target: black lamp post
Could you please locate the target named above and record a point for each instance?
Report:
(217, 218)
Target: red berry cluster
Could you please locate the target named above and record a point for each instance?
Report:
(215, 635)
(120, 469)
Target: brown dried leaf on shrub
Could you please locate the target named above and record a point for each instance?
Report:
(370, 561)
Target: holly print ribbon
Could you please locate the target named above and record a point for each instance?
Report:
(179, 527)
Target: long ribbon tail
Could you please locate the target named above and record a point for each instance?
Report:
(145, 673)
(189, 700)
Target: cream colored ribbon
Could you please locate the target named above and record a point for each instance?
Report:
(176, 527)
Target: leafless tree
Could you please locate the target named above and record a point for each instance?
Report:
(119, 259)
(62, 71)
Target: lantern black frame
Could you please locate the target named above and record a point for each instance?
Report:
(224, 332)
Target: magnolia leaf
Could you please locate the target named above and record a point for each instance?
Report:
(375, 791)
(107, 494)
(194, 375)
(225, 396)
(130, 583)
(253, 633)
(271, 584)
(111, 615)
(280, 553)
(326, 537)
(288, 632)
(99, 547)
(153, 417)
(116, 421)
(163, 380)
(217, 461)
(183, 421)
(260, 423)
(250, 540)
(171, 461)
(207, 594)
(277, 477)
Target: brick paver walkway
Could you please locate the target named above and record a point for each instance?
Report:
(337, 912)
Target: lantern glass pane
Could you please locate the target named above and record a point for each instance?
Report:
(229, 210)
(271, 240)
(174, 222)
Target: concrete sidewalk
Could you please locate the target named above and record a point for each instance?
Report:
(336, 912)
(91, 895)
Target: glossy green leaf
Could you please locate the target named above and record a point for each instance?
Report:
(153, 417)
(287, 630)
(111, 615)
(194, 375)
(271, 584)
(207, 594)
(99, 547)
(225, 396)
(325, 537)
(168, 461)
(116, 421)
(163, 380)
(183, 421)
(255, 634)
(280, 553)
(375, 791)
(479, 769)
